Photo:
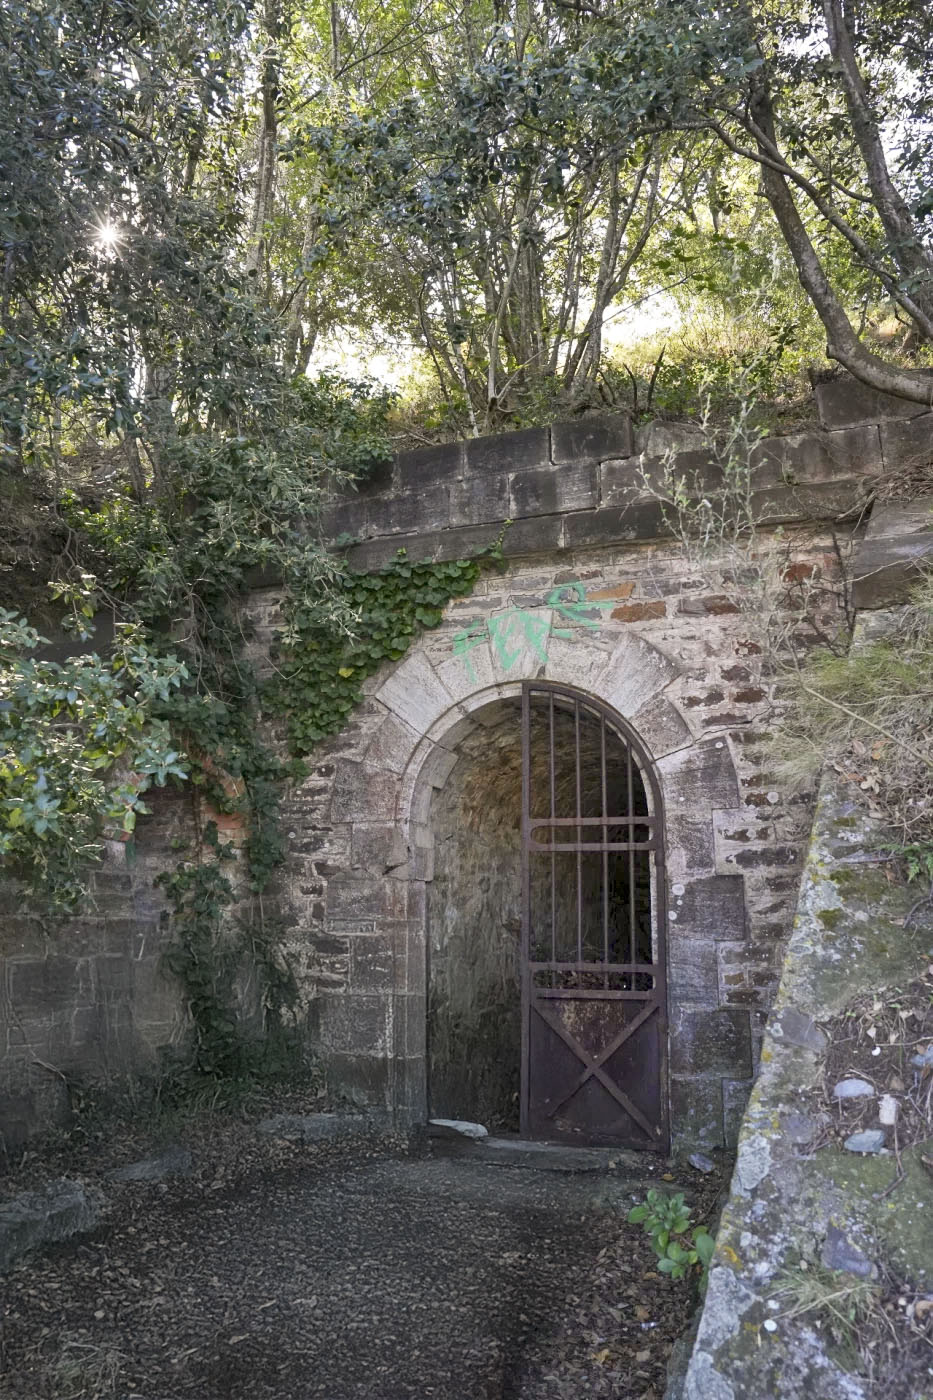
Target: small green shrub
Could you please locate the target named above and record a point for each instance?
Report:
(347, 421)
(679, 1245)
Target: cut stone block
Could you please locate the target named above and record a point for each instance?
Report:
(552, 490)
(415, 693)
(529, 447)
(592, 439)
(844, 401)
(61, 1209)
(636, 672)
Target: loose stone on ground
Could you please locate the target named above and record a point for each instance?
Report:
(870, 1140)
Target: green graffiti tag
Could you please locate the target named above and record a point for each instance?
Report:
(520, 630)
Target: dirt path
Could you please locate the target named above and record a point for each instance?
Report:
(350, 1279)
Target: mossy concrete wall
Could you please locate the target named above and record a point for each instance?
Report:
(790, 1196)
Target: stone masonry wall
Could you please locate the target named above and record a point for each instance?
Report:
(596, 596)
(800, 1200)
(676, 659)
(84, 1000)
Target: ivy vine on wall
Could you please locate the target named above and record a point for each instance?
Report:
(320, 670)
(323, 667)
(341, 625)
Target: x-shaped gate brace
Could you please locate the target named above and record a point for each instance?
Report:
(594, 1063)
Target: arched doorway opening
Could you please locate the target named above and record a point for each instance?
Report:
(546, 926)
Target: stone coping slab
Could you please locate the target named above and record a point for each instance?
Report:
(897, 550)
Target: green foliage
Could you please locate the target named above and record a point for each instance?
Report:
(349, 418)
(496, 223)
(211, 950)
(720, 376)
(80, 742)
(203, 960)
(323, 667)
(918, 861)
(680, 1246)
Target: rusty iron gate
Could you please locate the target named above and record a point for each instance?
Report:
(594, 1015)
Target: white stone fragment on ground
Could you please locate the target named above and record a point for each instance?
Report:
(456, 1127)
(854, 1089)
(887, 1110)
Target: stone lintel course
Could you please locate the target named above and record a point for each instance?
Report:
(589, 483)
(897, 549)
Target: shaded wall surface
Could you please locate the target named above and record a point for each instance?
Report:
(473, 925)
(86, 1000)
(595, 596)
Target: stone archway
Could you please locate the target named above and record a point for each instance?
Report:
(430, 706)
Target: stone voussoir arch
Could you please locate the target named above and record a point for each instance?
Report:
(429, 700)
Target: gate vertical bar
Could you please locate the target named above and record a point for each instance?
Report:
(526, 908)
(552, 788)
(576, 730)
(631, 859)
(605, 831)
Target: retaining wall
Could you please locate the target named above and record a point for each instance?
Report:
(596, 595)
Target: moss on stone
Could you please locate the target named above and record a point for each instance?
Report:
(830, 918)
(902, 1222)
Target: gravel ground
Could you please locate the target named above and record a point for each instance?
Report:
(350, 1276)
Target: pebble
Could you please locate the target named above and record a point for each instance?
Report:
(870, 1140)
(701, 1162)
(924, 1060)
(887, 1110)
(854, 1089)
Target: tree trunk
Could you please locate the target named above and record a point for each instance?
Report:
(843, 344)
(268, 135)
(906, 248)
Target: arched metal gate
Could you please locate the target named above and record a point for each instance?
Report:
(594, 1016)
